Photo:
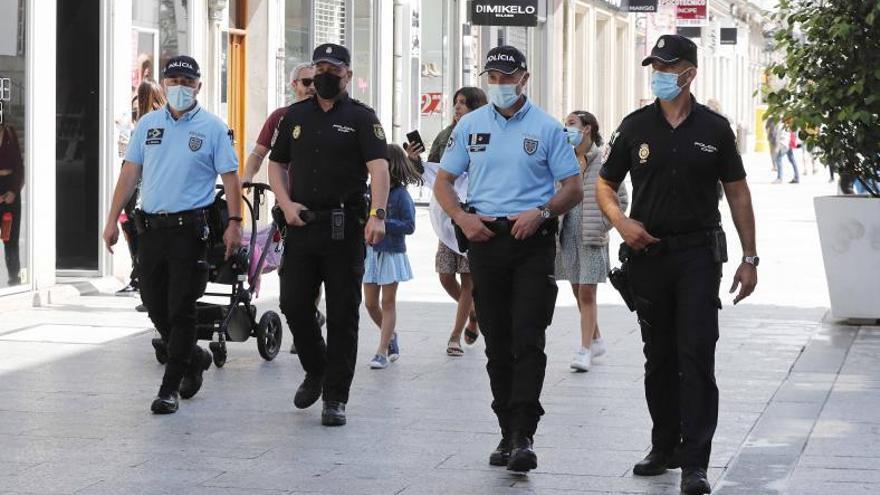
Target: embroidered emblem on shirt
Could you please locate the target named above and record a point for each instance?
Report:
(378, 131)
(644, 153)
(661, 43)
(530, 146)
(450, 143)
(195, 143)
(343, 128)
(154, 135)
(478, 142)
(297, 130)
(708, 148)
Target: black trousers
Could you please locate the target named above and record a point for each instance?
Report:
(515, 294)
(312, 258)
(173, 276)
(10, 247)
(678, 313)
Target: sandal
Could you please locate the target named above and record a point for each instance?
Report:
(470, 332)
(453, 349)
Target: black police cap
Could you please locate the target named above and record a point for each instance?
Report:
(333, 53)
(505, 59)
(182, 65)
(671, 48)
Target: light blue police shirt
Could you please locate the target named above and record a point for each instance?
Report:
(512, 164)
(180, 159)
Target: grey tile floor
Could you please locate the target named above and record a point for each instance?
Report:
(798, 412)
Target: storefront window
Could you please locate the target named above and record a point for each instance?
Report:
(14, 230)
(159, 32)
(436, 97)
(362, 53)
(296, 41)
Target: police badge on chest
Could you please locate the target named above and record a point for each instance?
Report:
(195, 142)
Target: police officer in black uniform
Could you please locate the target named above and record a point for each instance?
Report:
(676, 150)
(330, 142)
(177, 151)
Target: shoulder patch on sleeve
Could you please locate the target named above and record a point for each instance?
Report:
(231, 134)
(378, 131)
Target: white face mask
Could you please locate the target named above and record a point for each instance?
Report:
(503, 95)
(180, 97)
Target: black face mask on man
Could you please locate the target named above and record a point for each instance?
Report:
(327, 85)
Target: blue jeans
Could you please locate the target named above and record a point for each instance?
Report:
(790, 154)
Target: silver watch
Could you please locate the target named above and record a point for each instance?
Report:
(752, 260)
(546, 214)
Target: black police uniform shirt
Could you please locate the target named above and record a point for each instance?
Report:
(674, 171)
(328, 151)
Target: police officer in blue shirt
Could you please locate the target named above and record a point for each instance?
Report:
(514, 153)
(177, 152)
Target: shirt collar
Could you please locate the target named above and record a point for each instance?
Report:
(695, 107)
(342, 99)
(519, 115)
(187, 116)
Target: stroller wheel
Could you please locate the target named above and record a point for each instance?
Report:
(269, 334)
(218, 350)
(161, 350)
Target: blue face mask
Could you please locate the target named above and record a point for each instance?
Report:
(180, 97)
(574, 135)
(665, 85)
(503, 95)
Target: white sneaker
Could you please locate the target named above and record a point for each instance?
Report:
(598, 347)
(581, 361)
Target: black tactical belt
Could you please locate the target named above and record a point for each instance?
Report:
(157, 221)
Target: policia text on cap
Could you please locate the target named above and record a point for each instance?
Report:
(676, 151)
(177, 152)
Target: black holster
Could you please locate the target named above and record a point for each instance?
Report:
(463, 242)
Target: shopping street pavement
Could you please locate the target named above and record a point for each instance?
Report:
(798, 415)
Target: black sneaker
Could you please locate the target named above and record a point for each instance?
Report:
(140, 308)
(129, 290)
(165, 403)
(309, 391)
(522, 457)
(192, 380)
(333, 413)
(501, 455)
(654, 464)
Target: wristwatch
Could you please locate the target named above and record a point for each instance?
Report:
(546, 214)
(378, 213)
(752, 260)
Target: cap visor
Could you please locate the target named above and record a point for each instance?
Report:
(329, 61)
(496, 69)
(654, 58)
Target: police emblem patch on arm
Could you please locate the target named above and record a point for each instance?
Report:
(378, 131)
(530, 146)
(231, 134)
(451, 142)
(195, 143)
(297, 130)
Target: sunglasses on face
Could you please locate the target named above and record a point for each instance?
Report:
(306, 82)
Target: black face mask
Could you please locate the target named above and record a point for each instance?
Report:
(327, 85)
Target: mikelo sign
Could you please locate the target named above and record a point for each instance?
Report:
(504, 12)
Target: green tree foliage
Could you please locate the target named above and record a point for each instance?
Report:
(830, 74)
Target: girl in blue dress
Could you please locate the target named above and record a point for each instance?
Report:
(386, 263)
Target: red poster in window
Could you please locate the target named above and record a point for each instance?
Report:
(691, 10)
(431, 103)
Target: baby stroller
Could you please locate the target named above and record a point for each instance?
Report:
(236, 321)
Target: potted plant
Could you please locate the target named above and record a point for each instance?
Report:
(828, 71)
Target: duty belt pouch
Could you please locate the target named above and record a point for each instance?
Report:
(718, 243)
(337, 224)
(140, 221)
(200, 224)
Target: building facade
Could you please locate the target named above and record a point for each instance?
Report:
(69, 70)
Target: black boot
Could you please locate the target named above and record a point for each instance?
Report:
(694, 481)
(501, 455)
(192, 380)
(522, 457)
(309, 391)
(654, 464)
(333, 413)
(165, 403)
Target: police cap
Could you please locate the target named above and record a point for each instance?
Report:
(182, 65)
(333, 53)
(505, 59)
(671, 48)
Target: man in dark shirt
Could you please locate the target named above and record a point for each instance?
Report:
(329, 143)
(676, 151)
